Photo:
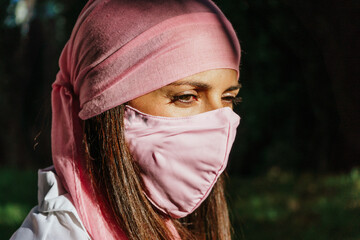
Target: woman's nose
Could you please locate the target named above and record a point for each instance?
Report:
(213, 104)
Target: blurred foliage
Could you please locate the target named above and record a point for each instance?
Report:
(282, 205)
(18, 195)
(279, 205)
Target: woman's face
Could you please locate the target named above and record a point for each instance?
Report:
(192, 95)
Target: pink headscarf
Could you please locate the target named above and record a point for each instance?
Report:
(120, 50)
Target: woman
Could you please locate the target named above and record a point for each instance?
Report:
(142, 125)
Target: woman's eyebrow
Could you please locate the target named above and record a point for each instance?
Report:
(232, 88)
(202, 85)
(191, 83)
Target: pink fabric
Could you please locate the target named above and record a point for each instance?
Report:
(119, 50)
(180, 158)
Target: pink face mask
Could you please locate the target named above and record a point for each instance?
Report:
(180, 158)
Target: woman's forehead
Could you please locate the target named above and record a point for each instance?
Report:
(209, 79)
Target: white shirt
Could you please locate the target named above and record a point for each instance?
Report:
(55, 217)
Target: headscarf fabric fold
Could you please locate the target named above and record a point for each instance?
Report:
(120, 50)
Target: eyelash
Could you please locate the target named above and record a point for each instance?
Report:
(234, 100)
(181, 98)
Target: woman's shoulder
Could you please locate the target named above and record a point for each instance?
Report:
(55, 216)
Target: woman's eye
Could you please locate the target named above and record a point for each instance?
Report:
(232, 99)
(185, 98)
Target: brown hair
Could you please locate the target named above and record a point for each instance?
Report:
(116, 180)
